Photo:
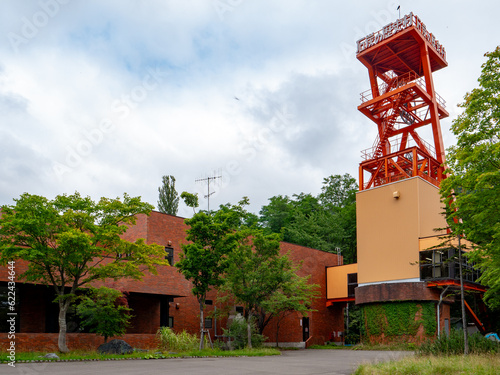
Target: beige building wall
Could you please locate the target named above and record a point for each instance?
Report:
(336, 278)
(389, 229)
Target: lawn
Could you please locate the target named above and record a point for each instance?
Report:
(153, 354)
(444, 365)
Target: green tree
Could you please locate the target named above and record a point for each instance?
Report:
(277, 214)
(254, 272)
(104, 311)
(295, 295)
(263, 281)
(191, 200)
(229, 252)
(326, 222)
(471, 192)
(212, 237)
(168, 200)
(338, 196)
(71, 241)
(338, 190)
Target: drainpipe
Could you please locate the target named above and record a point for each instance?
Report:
(215, 320)
(439, 310)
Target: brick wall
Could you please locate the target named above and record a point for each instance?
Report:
(416, 291)
(146, 313)
(47, 342)
(168, 230)
(324, 320)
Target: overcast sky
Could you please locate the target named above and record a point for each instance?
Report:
(107, 96)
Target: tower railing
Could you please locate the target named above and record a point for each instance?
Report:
(369, 153)
(397, 82)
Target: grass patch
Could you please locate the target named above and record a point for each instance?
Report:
(453, 344)
(472, 364)
(329, 346)
(73, 355)
(402, 346)
(397, 347)
(258, 352)
(153, 354)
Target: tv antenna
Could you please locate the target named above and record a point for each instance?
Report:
(214, 177)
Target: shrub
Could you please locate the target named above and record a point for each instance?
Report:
(352, 339)
(453, 344)
(170, 341)
(237, 332)
(100, 310)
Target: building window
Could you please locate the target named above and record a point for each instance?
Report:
(5, 300)
(209, 302)
(352, 283)
(165, 310)
(208, 323)
(170, 255)
(443, 264)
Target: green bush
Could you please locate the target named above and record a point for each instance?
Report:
(171, 341)
(352, 339)
(100, 311)
(237, 332)
(453, 344)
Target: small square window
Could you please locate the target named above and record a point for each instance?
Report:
(208, 323)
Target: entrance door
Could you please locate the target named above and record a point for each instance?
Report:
(305, 329)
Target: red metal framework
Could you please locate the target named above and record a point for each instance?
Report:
(400, 59)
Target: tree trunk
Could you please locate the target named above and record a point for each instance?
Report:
(249, 330)
(261, 321)
(278, 331)
(61, 342)
(202, 326)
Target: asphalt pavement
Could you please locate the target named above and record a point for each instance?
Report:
(310, 361)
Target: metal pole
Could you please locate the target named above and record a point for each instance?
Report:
(464, 320)
(439, 310)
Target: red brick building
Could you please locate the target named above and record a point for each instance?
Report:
(165, 299)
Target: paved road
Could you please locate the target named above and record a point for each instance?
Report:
(319, 361)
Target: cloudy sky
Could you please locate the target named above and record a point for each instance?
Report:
(104, 97)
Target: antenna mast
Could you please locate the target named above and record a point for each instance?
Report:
(208, 179)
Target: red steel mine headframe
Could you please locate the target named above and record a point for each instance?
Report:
(400, 59)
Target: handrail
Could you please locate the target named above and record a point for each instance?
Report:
(369, 153)
(398, 82)
(310, 337)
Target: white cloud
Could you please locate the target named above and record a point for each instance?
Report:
(106, 97)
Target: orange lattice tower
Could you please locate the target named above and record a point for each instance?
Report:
(401, 257)
(400, 59)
